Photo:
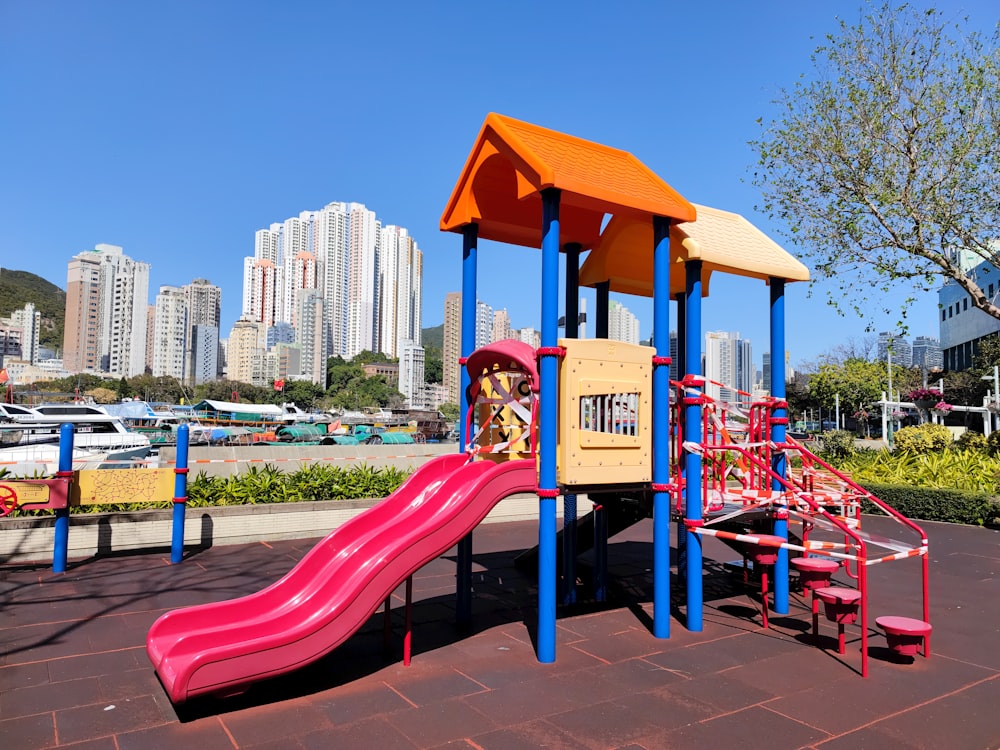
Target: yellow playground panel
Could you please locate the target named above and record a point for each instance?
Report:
(605, 413)
(504, 416)
(105, 486)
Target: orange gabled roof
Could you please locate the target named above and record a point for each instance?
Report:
(512, 161)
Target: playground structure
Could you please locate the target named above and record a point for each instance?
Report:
(572, 417)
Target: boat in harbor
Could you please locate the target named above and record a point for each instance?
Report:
(99, 438)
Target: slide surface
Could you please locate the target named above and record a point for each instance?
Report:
(223, 647)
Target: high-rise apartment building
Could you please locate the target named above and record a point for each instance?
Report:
(501, 325)
(107, 294)
(484, 324)
(29, 320)
(170, 333)
(204, 352)
(927, 353)
(902, 352)
(243, 347)
(368, 276)
(451, 346)
(729, 363)
(622, 324)
(411, 374)
(310, 337)
(204, 308)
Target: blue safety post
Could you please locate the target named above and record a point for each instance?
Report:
(681, 368)
(603, 295)
(547, 428)
(779, 463)
(180, 495)
(692, 460)
(661, 427)
(470, 253)
(60, 547)
(572, 251)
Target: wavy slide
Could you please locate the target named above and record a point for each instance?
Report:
(223, 647)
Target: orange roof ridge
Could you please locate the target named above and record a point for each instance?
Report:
(512, 161)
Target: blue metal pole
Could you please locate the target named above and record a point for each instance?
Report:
(661, 427)
(470, 253)
(547, 427)
(603, 294)
(778, 436)
(680, 368)
(692, 461)
(572, 307)
(180, 494)
(60, 546)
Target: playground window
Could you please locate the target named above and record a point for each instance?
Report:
(610, 413)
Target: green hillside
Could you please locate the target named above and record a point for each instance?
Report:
(20, 287)
(432, 336)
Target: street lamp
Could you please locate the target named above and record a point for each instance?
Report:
(996, 386)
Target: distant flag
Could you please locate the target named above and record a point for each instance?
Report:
(4, 377)
(279, 385)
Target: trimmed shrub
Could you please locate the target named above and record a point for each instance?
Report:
(993, 444)
(923, 438)
(838, 444)
(970, 441)
(930, 504)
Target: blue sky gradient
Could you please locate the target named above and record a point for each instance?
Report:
(176, 130)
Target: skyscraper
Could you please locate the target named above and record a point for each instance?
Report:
(106, 298)
(927, 353)
(728, 362)
(622, 324)
(451, 346)
(30, 322)
(170, 333)
(204, 308)
(902, 353)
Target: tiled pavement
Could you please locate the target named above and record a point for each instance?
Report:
(74, 673)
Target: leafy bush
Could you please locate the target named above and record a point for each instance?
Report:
(838, 444)
(993, 444)
(935, 504)
(970, 441)
(923, 438)
(960, 470)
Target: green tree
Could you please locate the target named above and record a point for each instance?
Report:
(858, 381)
(884, 166)
(449, 411)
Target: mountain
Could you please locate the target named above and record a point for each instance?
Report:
(20, 287)
(433, 336)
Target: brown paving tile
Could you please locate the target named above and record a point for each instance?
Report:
(442, 722)
(128, 684)
(957, 720)
(99, 720)
(108, 662)
(273, 722)
(603, 725)
(207, 733)
(524, 701)
(754, 728)
(423, 686)
(600, 624)
(526, 736)
(34, 732)
(668, 709)
(375, 732)
(873, 737)
(720, 692)
(620, 646)
(101, 743)
(24, 675)
(348, 703)
(39, 699)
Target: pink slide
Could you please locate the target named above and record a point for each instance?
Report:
(222, 648)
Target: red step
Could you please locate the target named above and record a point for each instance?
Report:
(905, 634)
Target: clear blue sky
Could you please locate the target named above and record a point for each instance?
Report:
(176, 130)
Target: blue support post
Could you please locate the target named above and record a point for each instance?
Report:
(779, 464)
(470, 252)
(661, 427)
(680, 369)
(180, 494)
(547, 428)
(60, 547)
(692, 460)
(572, 252)
(603, 293)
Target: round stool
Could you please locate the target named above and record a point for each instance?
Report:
(841, 606)
(904, 634)
(764, 555)
(814, 572)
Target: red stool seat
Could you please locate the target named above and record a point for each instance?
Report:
(814, 572)
(841, 606)
(904, 634)
(763, 555)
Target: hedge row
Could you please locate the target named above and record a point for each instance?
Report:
(935, 504)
